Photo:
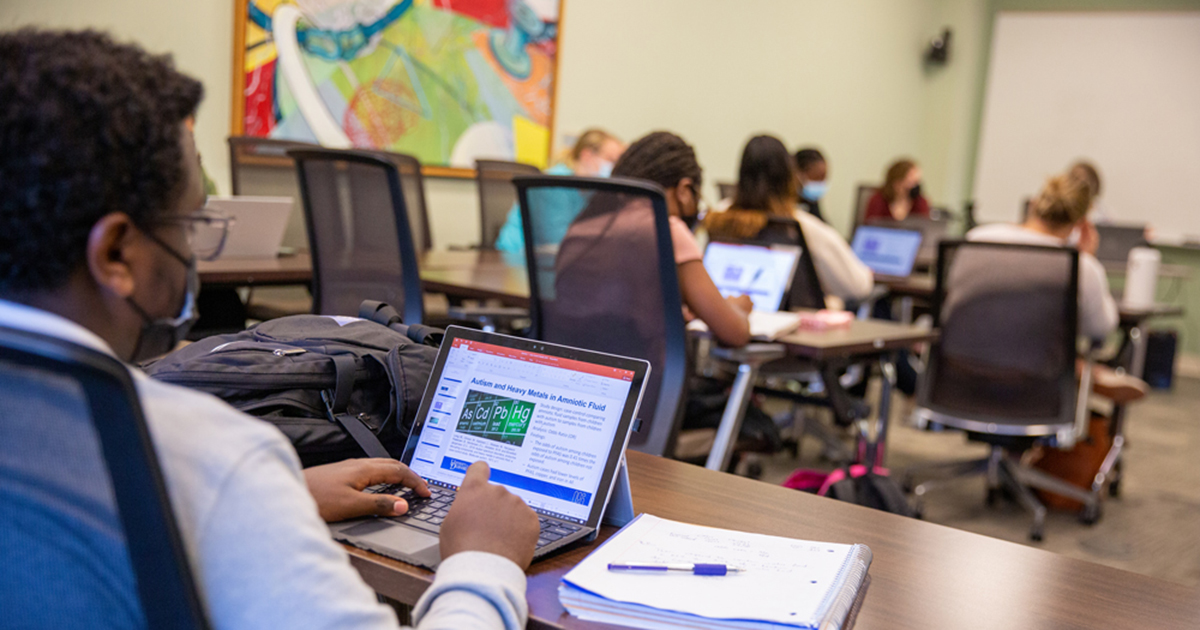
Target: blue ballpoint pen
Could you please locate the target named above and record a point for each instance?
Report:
(695, 569)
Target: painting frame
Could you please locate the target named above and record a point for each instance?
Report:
(238, 94)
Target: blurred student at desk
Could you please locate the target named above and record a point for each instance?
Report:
(593, 155)
(667, 160)
(1054, 215)
(812, 171)
(767, 187)
(900, 196)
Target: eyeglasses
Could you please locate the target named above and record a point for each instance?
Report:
(206, 231)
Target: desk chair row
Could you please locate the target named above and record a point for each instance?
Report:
(261, 166)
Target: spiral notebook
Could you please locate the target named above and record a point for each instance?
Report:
(785, 582)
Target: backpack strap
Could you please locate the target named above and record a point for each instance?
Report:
(385, 314)
(336, 402)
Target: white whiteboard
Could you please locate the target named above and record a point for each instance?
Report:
(1121, 89)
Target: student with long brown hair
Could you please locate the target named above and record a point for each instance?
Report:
(1058, 210)
(766, 187)
(900, 196)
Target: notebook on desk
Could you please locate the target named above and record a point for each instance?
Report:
(551, 421)
(782, 582)
(760, 271)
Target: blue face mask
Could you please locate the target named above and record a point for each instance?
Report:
(605, 169)
(813, 191)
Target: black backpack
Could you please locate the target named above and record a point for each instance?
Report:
(338, 387)
(872, 490)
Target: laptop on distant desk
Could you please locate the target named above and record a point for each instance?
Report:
(258, 225)
(1117, 240)
(933, 231)
(887, 251)
(552, 422)
(763, 272)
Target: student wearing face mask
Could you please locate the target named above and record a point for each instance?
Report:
(594, 154)
(812, 171)
(900, 196)
(101, 203)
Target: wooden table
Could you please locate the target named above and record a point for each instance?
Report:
(470, 274)
(923, 576)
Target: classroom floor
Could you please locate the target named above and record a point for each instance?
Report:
(1153, 528)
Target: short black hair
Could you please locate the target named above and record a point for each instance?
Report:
(661, 157)
(807, 157)
(88, 127)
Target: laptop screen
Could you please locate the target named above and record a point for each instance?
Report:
(887, 251)
(545, 424)
(761, 272)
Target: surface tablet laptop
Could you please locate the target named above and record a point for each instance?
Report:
(258, 225)
(551, 421)
(1117, 240)
(887, 251)
(763, 272)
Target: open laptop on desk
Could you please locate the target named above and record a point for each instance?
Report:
(763, 272)
(1117, 240)
(887, 251)
(258, 225)
(552, 422)
(932, 232)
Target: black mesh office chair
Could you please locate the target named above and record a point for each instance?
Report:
(1003, 368)
(862, 198)
(412, 184)
(496, 195)
(88, 536)
(610, 285)
(726, 190)
(361, 243)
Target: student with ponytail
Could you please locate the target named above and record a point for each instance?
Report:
(1059, 210)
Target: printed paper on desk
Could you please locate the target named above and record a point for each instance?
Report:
(785, 581)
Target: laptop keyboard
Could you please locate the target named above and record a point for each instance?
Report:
(427, 513)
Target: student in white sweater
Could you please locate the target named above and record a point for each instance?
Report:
(767, 186)
(1058, 211)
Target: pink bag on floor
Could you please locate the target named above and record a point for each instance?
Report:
(818, 482)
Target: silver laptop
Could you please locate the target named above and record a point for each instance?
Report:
(551, 422)
(258, 225)
(933, 231)
(887, 251)
(763, 272)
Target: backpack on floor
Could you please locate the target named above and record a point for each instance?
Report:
(338, 387)
(873, 489)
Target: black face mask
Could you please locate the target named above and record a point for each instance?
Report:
(160, 335)
(915, 192)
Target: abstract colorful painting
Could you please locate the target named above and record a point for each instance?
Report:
(447, 81)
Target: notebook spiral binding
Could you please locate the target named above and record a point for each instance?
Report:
(837, 603)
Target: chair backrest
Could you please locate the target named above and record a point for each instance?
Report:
(497, 195)
(806, 290)
(88, 534)
(261, 166)
(726, 190)
(611, 285)
(862, 198)
(413, 184)
(362, 246)
(1004, 362)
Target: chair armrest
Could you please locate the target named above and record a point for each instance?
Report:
(1066, 439)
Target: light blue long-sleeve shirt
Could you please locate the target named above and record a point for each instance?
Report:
(553, 225)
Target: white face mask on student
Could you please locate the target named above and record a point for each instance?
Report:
(604, 169)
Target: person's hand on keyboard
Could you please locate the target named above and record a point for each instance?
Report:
(339, 488)
(486, 517)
